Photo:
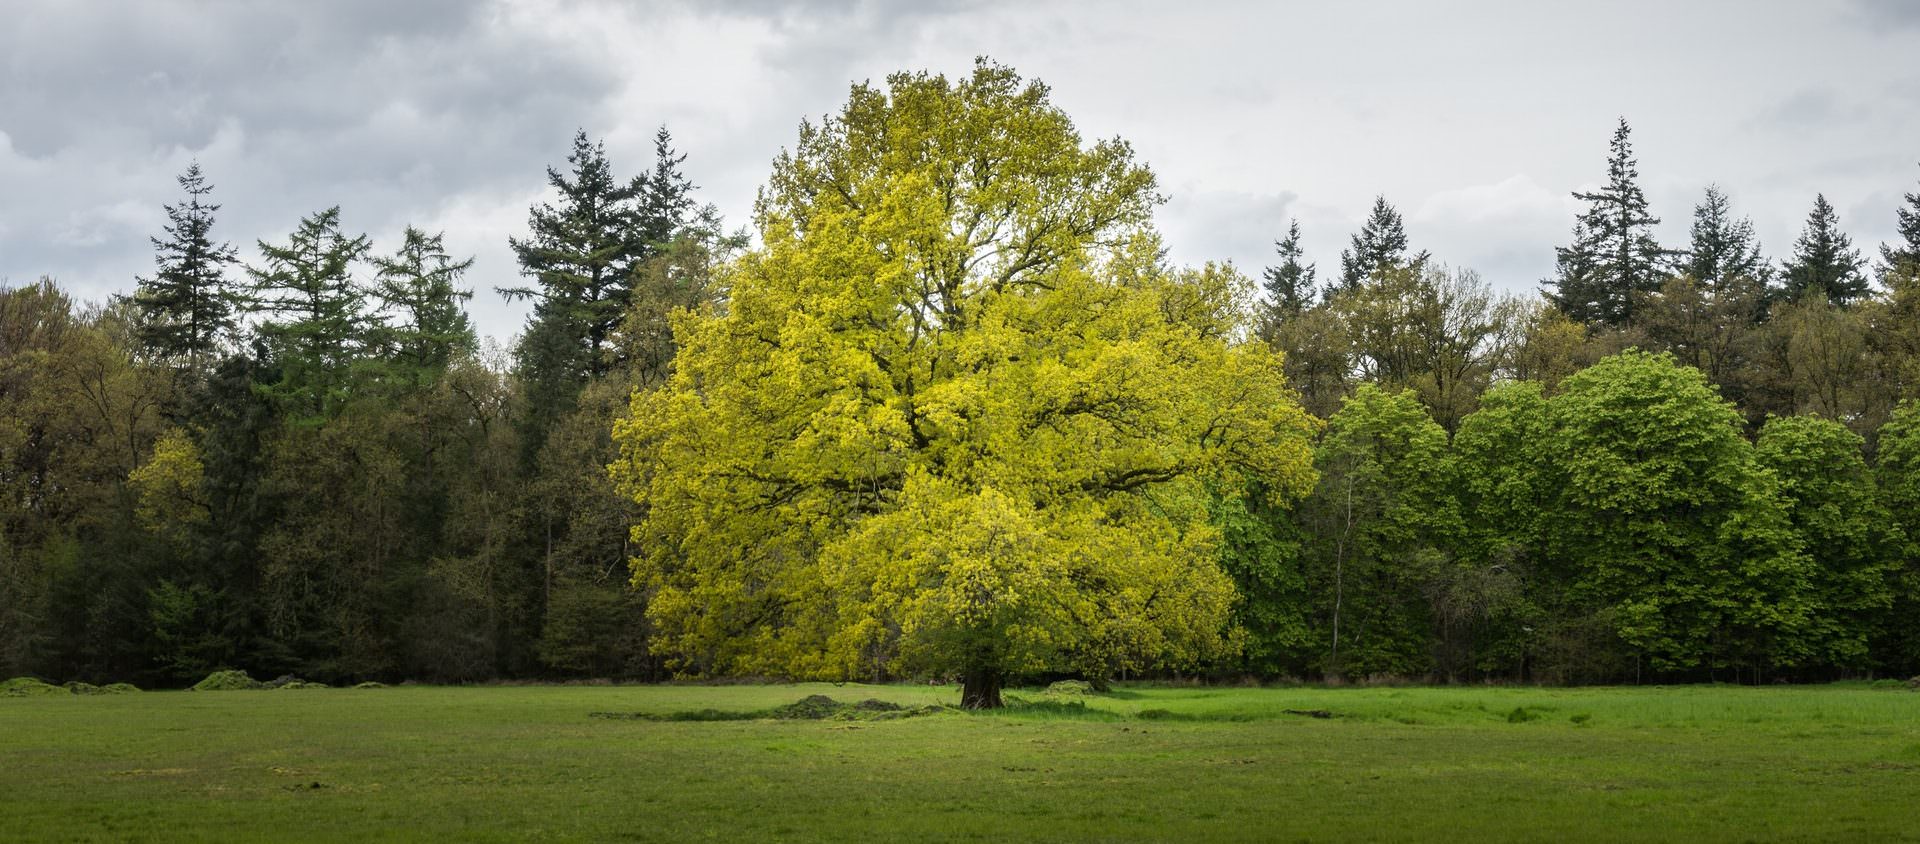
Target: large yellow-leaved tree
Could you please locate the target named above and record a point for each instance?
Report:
(957, 416)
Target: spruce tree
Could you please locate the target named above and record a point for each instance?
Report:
(1723, 248)
(1824, 262)
(585, 255)
(420, 281)
(1613, 255)
(186, 307)
(1907, 250)
(581, 255)
(1381, 244)
(1289, 286)
(316, 317)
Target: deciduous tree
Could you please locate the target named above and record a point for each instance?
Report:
(957, 417)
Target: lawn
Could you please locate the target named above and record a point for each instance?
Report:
(1704, 763)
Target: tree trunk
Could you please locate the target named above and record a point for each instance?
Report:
(981, 690)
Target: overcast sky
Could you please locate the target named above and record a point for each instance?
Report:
(1475, 119)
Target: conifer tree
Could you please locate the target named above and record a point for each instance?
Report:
(581, 255)
(420, 280)
(1381, 244)
(1613, 254)
(1824, 262)
(186, 307)
(1907, 249)
(1723, 248)
(317, 319)
(1289, 286)
(666, 196)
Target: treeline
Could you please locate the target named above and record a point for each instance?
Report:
(304, 462)
(1680, 463)
(1685, 462)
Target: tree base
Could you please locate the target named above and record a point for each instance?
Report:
(981, 691)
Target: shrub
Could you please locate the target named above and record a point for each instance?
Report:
(227, 681)
(28, 687)
(1070, 688)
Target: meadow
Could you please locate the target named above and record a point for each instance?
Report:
(509, 763)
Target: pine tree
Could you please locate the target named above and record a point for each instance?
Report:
(420, 281)
(1723, 249)
(186, 307)
(582, 254)
(316, 313)
(1289, 286)
(1381, 244)
(1907, 251)
(1613, 255)
(1824, 261)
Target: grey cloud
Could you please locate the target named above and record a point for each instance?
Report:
(1225, 225)
(1897, 14)
(1812, 110)
(445, 113)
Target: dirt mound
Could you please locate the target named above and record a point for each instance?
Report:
(228, 681)
(809, 708)
(119, 689)
(370, 684)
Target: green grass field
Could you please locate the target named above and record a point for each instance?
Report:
(514, 763)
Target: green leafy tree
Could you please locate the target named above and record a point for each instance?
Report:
(1505, 492)
(1849, 536)
(955, 418)
(1897, 471)
(1427, 328)
(315, 322)
(1379, 521)
(686, 276)
(1613, 255)
(1261, 549)
(77, 416)
(187, 306)
(1665, 525)
(1824, 264)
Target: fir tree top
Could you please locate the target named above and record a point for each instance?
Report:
(1824, 261)
(1614, 255)
(1723, 248)
(1907, 249)
(1381, 244)
(186, 308)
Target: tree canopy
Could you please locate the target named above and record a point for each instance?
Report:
(957, 416)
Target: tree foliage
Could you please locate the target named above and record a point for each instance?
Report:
(957, 416)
